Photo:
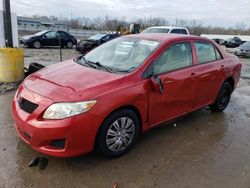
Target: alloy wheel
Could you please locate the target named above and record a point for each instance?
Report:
(120, 134)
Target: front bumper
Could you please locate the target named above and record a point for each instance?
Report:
(79, 131)
(242, 53)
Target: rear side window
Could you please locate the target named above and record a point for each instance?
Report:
(175, 57)
(218, 55)
(179, 31)
(205, 52)
(63, 34)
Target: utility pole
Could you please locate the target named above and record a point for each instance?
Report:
(7, 23)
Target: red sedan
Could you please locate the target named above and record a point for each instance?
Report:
(106, 98)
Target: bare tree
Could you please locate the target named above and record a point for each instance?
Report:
(240, 28)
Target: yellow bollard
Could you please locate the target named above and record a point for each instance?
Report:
(11, 64)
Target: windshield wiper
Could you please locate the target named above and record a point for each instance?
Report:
(96, 64)
(87, 62)
(125, 71)
(99, 65)
(104, 66)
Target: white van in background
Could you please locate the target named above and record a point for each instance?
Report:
(167, 29)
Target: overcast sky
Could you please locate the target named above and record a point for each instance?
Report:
(210, 12)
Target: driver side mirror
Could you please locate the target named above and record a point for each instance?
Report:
(157, 83)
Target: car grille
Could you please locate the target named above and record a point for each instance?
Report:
(26, 105)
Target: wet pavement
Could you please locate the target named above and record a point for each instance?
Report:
(204, 149)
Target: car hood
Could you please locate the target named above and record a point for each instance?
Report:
(69, 81)
(244, 47)
(27, 37)
(88, 41)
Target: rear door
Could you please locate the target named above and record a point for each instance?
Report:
(64, 37)
(208, 67)
(174, 69)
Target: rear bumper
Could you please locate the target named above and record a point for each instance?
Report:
(78, 132)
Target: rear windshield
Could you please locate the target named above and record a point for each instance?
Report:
(156, 30)
(96, 37)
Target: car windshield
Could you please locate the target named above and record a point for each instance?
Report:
(96, 37)
(40, 33)
(123, 54)
(156, 30)
(246, 44)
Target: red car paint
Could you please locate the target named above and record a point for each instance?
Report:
(185, 90)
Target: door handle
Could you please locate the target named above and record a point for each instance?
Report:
(192, 74)
(222, 66)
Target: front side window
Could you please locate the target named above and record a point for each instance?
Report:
(51, 34)
(175, 57)
(205, 52)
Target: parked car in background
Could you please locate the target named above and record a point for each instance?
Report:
(49, 38)
(86, 45)
(219, 41)
(232, 42)
(167, 29)
(243, 50)
(103, 100)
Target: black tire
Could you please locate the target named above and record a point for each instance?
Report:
(69, 44)
(101, 145)
(223, 98)
(33, 67)
(36, 44)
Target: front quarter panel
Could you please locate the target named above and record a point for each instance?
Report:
(130, 93)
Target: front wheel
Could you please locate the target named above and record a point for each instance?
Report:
(223, 98)
(37, 44)
(118, 133)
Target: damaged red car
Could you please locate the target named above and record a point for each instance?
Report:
(103, 100)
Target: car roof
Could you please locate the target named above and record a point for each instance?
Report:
(162, 37)
(168, 27)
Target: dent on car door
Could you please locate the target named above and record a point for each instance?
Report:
(174, 70)
(208, 68)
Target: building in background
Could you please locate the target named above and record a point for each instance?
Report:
(38, 24)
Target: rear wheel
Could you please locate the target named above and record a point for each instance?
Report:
(69, 44)
(223, 98)
(118, 133)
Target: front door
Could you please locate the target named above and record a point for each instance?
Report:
(174, 69)
(49, 39)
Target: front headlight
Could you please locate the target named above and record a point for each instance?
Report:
(67, 109)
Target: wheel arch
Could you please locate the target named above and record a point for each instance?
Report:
(231, 81)
(128, 107)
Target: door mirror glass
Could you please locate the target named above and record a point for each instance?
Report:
(157, 84)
